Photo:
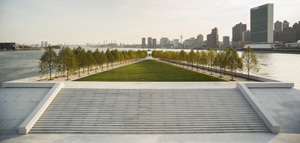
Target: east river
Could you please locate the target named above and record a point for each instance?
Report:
(21, 64)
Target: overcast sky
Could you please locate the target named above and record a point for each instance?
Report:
(127, 21)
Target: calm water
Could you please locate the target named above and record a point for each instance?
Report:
(22, 64)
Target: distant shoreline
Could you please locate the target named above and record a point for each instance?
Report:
(20, 50)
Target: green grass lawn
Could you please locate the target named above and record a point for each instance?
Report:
(149, 70)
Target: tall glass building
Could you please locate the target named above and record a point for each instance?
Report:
(262, 24)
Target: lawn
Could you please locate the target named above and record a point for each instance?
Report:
(149, 70)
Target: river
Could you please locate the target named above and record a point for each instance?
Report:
(279, 66)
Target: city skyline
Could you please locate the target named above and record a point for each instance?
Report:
(126, 21)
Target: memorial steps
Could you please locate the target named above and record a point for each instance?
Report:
(147, 111)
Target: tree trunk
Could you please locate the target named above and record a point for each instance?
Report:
(50, 73)
(248, 64)
(235, 72)
(248, 74)
(220, 70)
(79, 72)
(232, 73)
(211, 69)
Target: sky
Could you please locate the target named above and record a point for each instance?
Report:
(127, 21)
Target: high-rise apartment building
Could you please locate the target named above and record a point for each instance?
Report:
(176, 43)
(153, 43)
(164, 42)
(261, 27)
(215, 38)
(44, 44)
(189, 43)
(237, 32)
(143, 42)
(278, 26)
(246, 36)
(149, 42)
(226, 42)
(277, 30)
(199, 41)
(285, 25)
(208, 41)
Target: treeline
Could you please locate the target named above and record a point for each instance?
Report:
(71, 61)
(227, 59)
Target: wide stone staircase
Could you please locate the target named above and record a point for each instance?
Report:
(149, 111)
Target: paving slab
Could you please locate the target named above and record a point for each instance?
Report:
(154, 138)
(16, 104)
(283, 104)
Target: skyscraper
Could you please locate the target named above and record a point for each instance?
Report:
(237, 32)
(143, 42)
(285, 25)
(246, 36)
(209, 40)
(175, 43)
(278, 26)
(153, 43)
(261, 20)
(164, 42)
(44, 44)
(149, 42)
(215, 38)
(226, 41)
(277, 30)
(199, 41)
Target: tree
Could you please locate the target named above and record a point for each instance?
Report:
(182, 56)
(80, 58)
(126, 57)
(198, 58)
(70, 61)
(204, 59)
(232, 57)
(116, 56)
(109, 57)
(250, 61)
(192, 57)
(97, 56)
(103, 59)
(220, 61)
(62, 60)
(211, 58)
(131, 55)
(90, 60)
(48, 61)
(239, 65)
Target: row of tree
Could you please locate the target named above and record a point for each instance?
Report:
(69, 61)
(227, 59)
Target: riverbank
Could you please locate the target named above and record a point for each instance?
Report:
(23, 64)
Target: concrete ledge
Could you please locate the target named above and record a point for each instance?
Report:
(259, 108)
(270, 85)
(26, 126)
(27, 84)
(149, 85)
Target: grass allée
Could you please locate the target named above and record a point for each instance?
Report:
(149, 70)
